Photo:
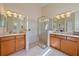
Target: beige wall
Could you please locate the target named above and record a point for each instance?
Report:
(57, 8)
(1, 6)
(33, 11)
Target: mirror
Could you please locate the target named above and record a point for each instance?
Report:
(59, 25)
(16, 24)
(64, 23)
(76, 22)
(70, 22)
(11, 24)
(3, 23)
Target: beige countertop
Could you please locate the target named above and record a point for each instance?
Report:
(10, 34)
(64, 34)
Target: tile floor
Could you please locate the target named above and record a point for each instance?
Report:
(37, 51)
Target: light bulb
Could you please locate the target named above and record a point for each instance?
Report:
(46, 20)
(14, 14)
(20, 16)
(9, 13)
(62, 15)
(68, 14)
(58, 17)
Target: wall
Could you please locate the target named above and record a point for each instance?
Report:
(57, 8)
(1, 7)
(32, 11)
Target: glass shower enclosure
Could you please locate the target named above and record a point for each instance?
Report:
(43, 27)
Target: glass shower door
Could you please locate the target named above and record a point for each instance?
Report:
(43, 24)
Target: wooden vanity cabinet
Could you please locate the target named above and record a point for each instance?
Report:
(20, 42)
(78, 48)
(7, 45)
(54, 41)
(0, 47)
(67, 44)
(11, 44)
(77, 42)
(69, 47)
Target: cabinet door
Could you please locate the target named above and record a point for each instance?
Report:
(7, 47)
(78, 48)
(69, 47)
(20, 42)
(55, 42)
(0, 48)
(51, 40)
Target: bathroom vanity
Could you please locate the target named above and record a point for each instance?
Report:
(65, 32)
(64, 42)
(10, 43)
(12, 33)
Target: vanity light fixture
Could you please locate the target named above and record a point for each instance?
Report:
(14, 14)
(9, 13)
(20, 16)
(62, 15)
(68, 14)
(58, 17)
(45, 20)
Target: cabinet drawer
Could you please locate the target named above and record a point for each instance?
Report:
(73, 39)
(7, 38)
(78, 48)
(52, 35)
(61, 37)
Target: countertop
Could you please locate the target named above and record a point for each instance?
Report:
(10, 34)
(64, 34)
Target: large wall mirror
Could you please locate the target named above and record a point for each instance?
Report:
(12, 23)
(67, 22)
(3, 23)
